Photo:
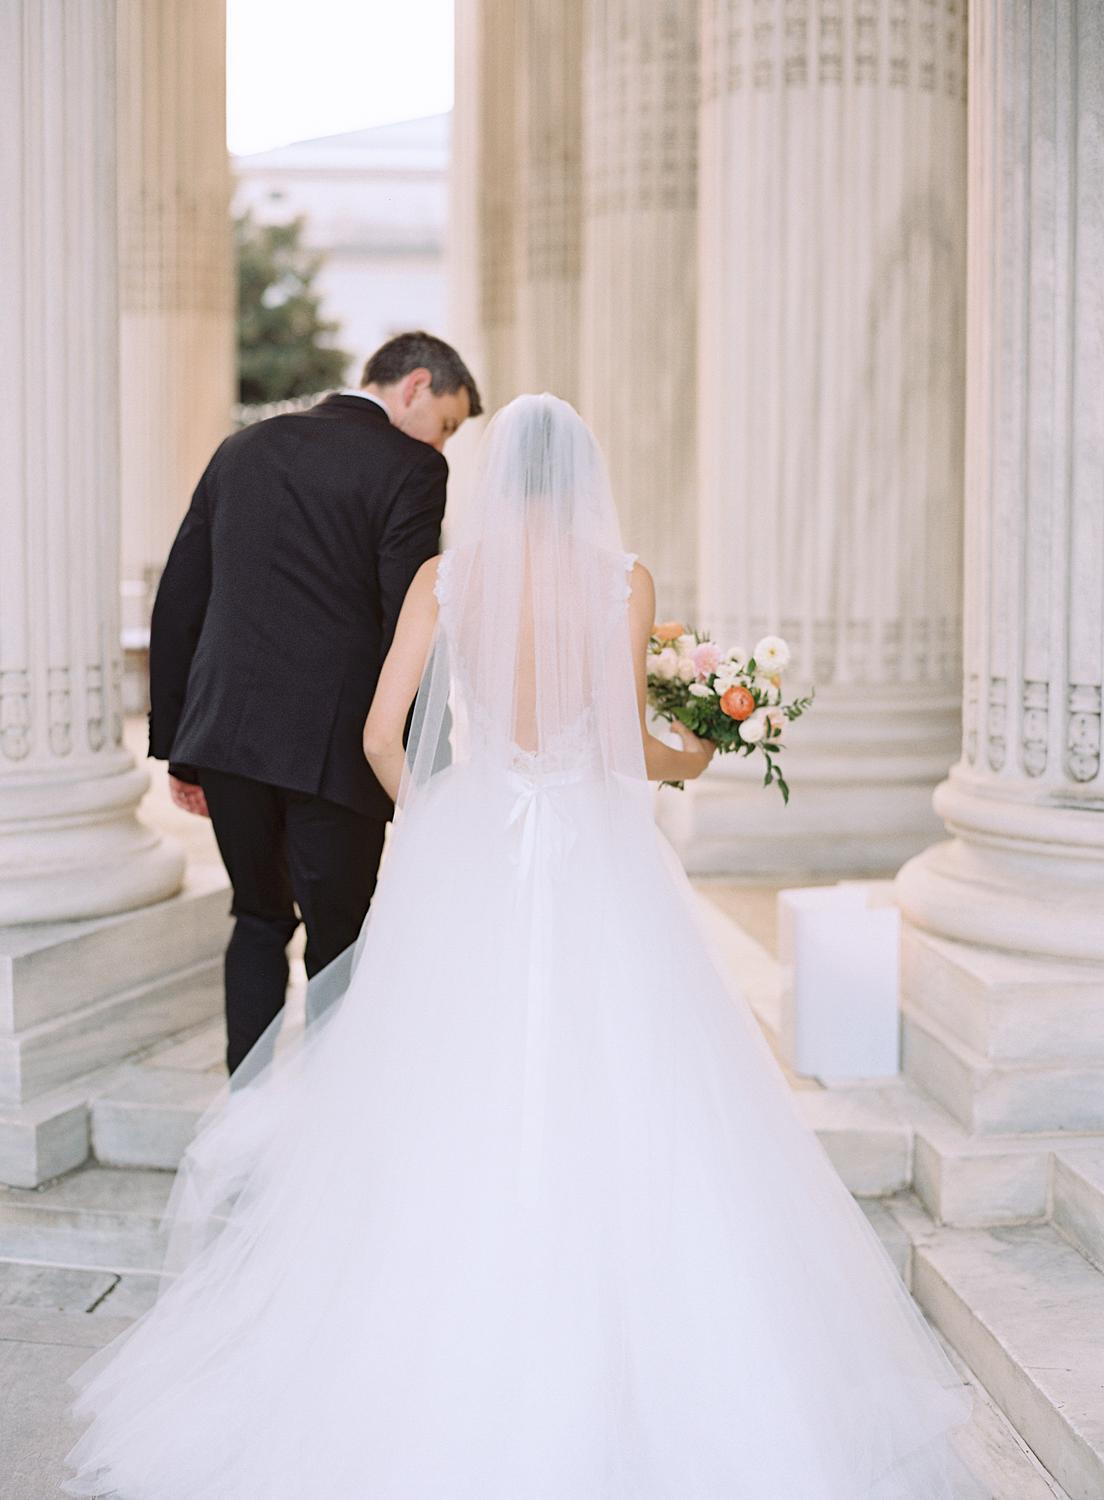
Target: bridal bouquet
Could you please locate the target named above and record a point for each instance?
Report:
(724, 696)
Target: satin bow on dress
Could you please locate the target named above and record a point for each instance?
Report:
(545, 830)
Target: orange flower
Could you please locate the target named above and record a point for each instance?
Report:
(670, 630)
(738, 703)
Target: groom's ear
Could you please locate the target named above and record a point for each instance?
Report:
(413, 383)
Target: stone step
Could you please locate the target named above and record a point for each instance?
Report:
(1005, 1006)
(1078, 1199)
(51, 1133)
(993, 1452)
(146, 1115)
(1025, 1311)
(48, 969)
(91, 1242)
(55, 1052)
(79, 998)
(989, 1096)
(43, 1139)
(96, 1218)
(869, 1145)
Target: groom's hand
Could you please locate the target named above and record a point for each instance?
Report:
(188, 796)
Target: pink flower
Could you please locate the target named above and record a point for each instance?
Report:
(706, 659)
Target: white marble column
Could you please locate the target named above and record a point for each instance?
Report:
(485, 165)
(548, 100)
(176, 309)
(1004, 958)
(70, 844)
(639, 306)
(477, 271)
(833, 212)
(523, 163)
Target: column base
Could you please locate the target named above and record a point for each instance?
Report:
(77, 998)
(1023, 873)
(1003, 960)
(73, 849)
(1005, 1042)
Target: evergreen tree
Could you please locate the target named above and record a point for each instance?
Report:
(284, 344)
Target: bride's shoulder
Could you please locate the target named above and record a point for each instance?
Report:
(425, 585)
(641, 582)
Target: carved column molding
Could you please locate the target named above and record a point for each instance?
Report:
(70, 845)
(1024, 870)
(175, 272)
(832, 191)
(1028, 785)
(639, 335)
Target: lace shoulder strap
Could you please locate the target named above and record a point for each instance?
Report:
(624, 588)
(444, 573)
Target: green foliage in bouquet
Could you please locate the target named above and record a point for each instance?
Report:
(733, 701)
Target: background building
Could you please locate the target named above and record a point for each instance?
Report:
(375, 204)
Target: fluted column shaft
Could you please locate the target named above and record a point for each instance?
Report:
(488, 164)
(833, 213)
(522, 161)
(639, 345)
(175, 272)
(70, 845)
(549, 103)
(1025, 870)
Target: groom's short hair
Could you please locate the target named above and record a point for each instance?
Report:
(422, 351)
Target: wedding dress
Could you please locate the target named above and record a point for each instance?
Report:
(527, 1213)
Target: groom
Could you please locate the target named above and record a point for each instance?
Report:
(274, 613)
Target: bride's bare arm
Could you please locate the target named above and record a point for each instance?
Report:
(661, 762)
(399, 679)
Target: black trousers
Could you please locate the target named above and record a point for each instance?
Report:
(283, 850)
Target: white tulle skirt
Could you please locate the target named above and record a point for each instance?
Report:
(528, 1215)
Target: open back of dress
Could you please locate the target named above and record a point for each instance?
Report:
(530, 667)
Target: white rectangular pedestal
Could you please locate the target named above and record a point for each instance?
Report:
(839, 957)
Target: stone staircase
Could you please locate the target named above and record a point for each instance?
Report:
(1001, 1239)
(79, 998)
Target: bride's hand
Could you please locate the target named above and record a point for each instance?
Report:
(701, 749)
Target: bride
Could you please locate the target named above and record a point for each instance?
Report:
(526, 1213)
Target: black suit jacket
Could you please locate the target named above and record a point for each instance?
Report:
(281, 594)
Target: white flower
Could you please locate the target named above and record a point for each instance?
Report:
(737, 656)
(701, 690)
(766, 688)
(686, 670)
(664, 664)
(754, 727)
(724, 680)
(772, 654)
(685, 644)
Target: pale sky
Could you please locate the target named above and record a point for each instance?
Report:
(303, 68)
